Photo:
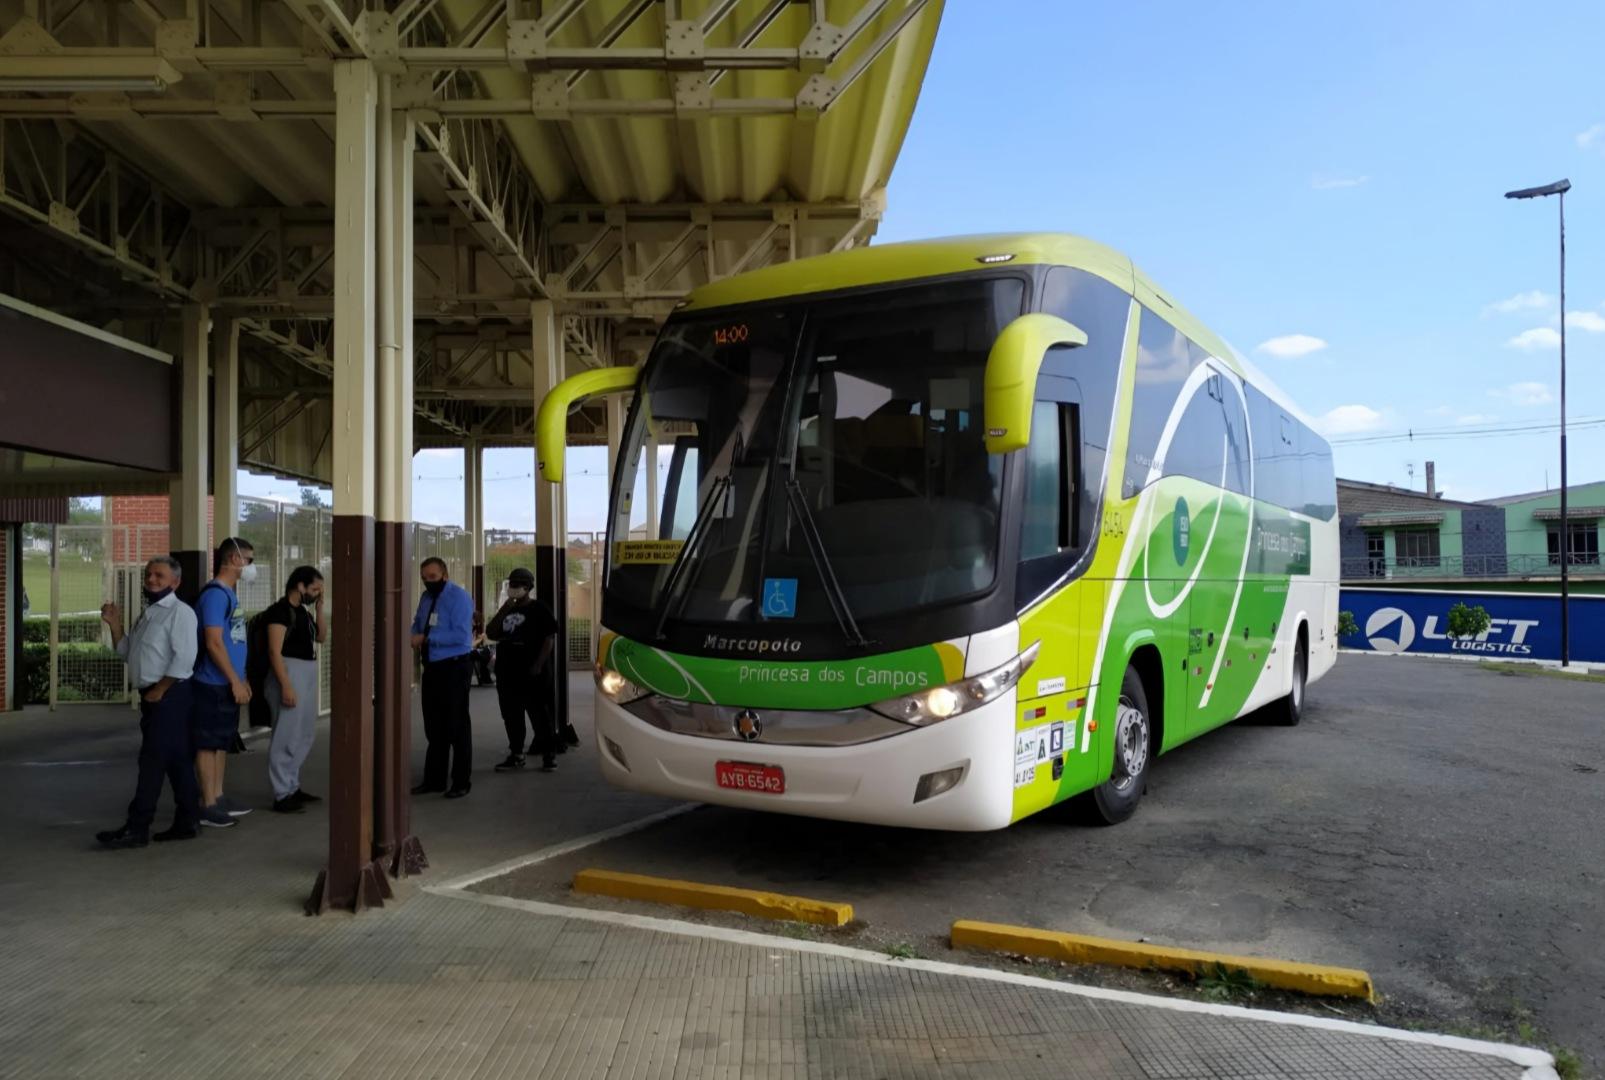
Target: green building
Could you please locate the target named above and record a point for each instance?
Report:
(1390, 533)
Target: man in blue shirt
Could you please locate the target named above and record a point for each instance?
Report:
(443, 635)
(160, 651)
(220, 688)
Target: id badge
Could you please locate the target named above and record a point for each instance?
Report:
(434, 619)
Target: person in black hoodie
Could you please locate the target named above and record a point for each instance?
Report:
(524, 631)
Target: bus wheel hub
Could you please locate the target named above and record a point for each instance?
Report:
(1131, 741)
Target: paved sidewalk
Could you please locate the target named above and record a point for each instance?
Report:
(193, 960)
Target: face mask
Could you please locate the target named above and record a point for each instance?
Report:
(247, 573)
(435, 587)
(517, 592)
(158, 595)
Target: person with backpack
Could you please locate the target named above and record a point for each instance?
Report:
(219, 683)
(295, 627)
(524, 630)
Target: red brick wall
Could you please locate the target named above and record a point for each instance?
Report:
(5, 614)
(147, 535)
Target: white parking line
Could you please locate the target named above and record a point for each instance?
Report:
(474, 877)
(1538, 1064)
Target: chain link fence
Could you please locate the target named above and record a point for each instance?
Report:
(67, 653)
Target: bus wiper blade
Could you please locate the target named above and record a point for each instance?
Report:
(816, 549)
(693, 539)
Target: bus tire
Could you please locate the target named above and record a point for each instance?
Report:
(1115, 800)
(1290, 710)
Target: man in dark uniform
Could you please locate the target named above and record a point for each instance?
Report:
(524, 631)
(160, 651)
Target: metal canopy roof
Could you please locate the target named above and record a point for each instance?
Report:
(609, 155)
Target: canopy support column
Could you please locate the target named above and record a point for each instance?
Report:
(187, 496)
(226, 428)
(551, 518)
(352, 879)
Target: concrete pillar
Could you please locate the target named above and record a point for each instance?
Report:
(617, 410)
(352, 879)
(652, 510)
(187, 518)
(226, 428)
(551, 517)
(393, 841)
(474, 517)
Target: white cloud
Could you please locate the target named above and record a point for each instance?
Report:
(1531, 300)
(1476, 418)
(1539, 337)
(1289, 346)
(1440, 410)
(1349, 420)
(1523, 393)
(1332, 183)
(1592, 139)
(1591, 322)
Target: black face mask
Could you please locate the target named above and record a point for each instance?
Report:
(157, 596)
(435, 587)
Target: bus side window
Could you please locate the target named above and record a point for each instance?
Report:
(1052, 519)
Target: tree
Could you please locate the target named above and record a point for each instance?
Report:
(1468, 622)
(312, 497)
(1346, 625)
(84, 511)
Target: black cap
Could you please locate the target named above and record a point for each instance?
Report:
(521, 577)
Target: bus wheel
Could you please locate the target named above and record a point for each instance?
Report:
(1116, 799)
(1290, 710)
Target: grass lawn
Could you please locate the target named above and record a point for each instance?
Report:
(82, 583)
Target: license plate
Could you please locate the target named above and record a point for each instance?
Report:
(740, 776)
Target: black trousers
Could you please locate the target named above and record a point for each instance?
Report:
(525, 692)
(446, 725)
(166, 752)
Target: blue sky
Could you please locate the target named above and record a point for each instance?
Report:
(1321, 184)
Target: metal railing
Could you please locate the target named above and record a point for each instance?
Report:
(1517, 566)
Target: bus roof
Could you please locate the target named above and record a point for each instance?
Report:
(883, 263)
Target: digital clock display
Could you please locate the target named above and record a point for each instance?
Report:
(734, 334)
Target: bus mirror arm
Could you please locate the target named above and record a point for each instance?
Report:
(551, 419)
(1011, 376)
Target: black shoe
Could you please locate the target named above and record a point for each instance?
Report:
(177, 832)
(570, 736)
(303, 797)
(458, 792)
(426, 789)
(125, 837)
(288, 805)
(513, 763)
(549, 763)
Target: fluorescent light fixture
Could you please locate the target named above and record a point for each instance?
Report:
(67, 74)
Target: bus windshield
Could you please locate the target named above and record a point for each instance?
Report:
(815, 455)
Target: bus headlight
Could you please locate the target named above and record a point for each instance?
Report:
(939, 703)
(619, 690)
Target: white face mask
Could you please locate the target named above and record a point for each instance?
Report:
(247, 573)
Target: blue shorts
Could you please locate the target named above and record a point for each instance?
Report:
(214, 717)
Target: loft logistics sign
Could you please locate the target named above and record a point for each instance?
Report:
(1521, 626)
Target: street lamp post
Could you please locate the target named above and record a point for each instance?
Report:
(1560, 188)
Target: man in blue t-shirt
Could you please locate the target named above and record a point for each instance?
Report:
(443, 634)
(219, 683)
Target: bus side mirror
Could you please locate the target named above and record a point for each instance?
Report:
(1011, 376)
(551, 420)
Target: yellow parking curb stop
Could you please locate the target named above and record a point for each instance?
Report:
(762, 905)
(1316, 979)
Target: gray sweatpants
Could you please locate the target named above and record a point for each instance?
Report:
(292, 728)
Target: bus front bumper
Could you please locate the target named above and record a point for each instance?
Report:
(874, 782)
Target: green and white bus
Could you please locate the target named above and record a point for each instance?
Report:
(950, 532)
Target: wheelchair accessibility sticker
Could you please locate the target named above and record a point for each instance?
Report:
(780, 598)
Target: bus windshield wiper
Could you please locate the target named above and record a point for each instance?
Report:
(688, 551)
(816, 549)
